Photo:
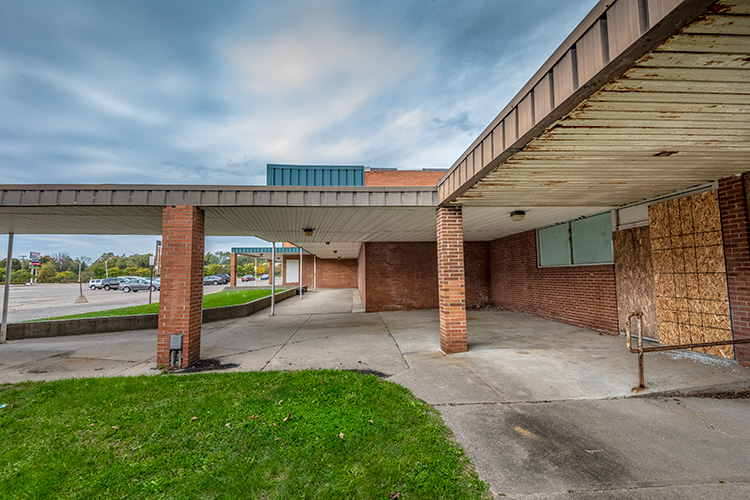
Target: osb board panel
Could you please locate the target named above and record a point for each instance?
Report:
(634, 278)
(690, 282)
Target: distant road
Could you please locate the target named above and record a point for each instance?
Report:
(58, 299)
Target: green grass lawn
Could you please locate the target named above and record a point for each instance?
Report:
(217, 299)
(271, 435)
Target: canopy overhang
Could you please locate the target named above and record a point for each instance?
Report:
(645, 98)
(663, 105)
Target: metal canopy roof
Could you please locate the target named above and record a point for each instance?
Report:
(342, 216)
(645, 97)
(663, 105)
(265, 252)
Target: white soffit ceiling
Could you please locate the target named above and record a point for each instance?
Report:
(334, 224)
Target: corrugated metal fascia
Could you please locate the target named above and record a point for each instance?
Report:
(655, 35)
(294, 250)
(164, 195)
(314, 175)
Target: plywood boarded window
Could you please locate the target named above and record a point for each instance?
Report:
(690, 282)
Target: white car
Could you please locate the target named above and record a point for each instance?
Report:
(95, 284)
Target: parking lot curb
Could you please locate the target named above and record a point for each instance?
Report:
(86, 326)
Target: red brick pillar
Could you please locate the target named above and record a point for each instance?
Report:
(451, 281)
(233, 270)
(736, 231)
(181, 296)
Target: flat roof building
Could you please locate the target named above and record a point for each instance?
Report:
(615, 181)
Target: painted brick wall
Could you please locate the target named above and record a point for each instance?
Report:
(403, 178)
(733, 202)
(403, 276)
(582, 295)
(332, 273)
(181, 297)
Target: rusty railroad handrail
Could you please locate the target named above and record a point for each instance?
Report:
(640, 349)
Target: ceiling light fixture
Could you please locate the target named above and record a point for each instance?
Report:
(308, 231)
(517, 215)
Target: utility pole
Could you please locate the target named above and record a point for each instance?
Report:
(8, 269)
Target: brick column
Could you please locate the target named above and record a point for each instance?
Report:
(181, 296)
(736, 231)
(451, 281)
(233, 269)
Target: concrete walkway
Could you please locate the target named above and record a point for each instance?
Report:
(543, 409)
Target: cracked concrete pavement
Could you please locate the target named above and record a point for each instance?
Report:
(543, 409)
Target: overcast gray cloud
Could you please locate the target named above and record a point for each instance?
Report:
(167, 91)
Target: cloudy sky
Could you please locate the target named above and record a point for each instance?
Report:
(188, 92)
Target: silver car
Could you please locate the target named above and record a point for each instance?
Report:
(135, 284)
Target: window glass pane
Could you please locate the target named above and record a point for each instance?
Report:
(554, 246)
(592, 239)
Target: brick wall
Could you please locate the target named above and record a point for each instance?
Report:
(478, 278)
(181, 296)
(733, 203)
(332, 273)
(403, 178)
(403, 276)
(581, 295)
(451, 279)
(233, 269)
(400, 276)
(362, 275)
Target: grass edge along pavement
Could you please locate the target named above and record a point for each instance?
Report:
(275, 435)
(210, 300)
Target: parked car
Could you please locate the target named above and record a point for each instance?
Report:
(264, 276)
(212, 280)
(225, 278)
(248, 277)
(95, 284)
(112, 283)
(135, 284)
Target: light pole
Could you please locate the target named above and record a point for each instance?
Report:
(106, 269)
(81, 298)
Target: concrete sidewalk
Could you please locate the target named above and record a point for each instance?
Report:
(543, 409)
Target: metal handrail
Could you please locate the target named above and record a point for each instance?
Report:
(640, 349)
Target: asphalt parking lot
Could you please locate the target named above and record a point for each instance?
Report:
(47, 300)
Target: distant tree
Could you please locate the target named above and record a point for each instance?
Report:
(209, 259)
(20, 277)
(62, 261)
(15, 264)
(115, 271)
(47, 272)
(66, 277)
(214, 269)
(225, 258)
(97, 270)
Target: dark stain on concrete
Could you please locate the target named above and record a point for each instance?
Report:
(554, 448)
